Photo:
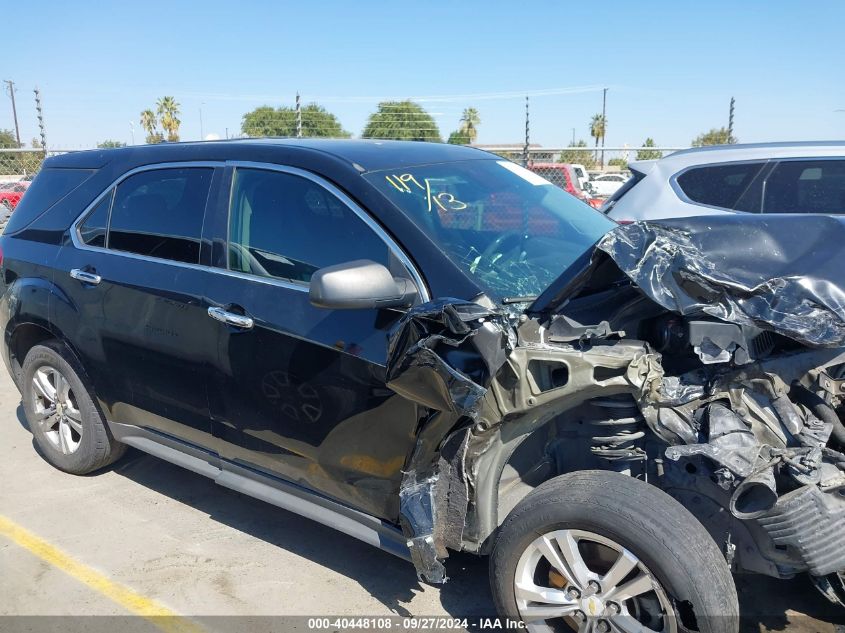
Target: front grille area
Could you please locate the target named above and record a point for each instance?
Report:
(812, 523)
(762, 344)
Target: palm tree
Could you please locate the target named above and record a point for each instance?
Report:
(469, 124)
(597, 128)
(150, 124)
(168, 110)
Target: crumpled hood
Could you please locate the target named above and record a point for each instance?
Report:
(783, 273)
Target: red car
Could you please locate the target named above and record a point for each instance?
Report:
(562, 175)
(11, 193)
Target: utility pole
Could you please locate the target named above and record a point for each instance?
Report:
(11, 86)
(40, 114)
(731, 122)
(603, 123)
(132, 131)
(525, 147)
(573, 137)
(298, 118)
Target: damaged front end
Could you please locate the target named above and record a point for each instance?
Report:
(703, 356)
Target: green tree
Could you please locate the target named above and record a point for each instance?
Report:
(110, 144)
(459, 137)
(7, 139)
(649, 154)
(401, 120)
(716, 136)
(168, 112)
(150, 125)
(17, 163)
(469, 124)
(581, 157)
(621, 163)
(598, 127)
(270, 121)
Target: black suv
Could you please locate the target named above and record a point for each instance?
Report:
(431, 348)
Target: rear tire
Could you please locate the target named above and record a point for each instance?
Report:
(663, 552)
(68, 427)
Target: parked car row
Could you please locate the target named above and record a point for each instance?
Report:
(575, 179)
(11, 194)
(570, 177)
(606, 185)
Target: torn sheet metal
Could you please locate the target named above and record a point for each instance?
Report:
(780, 273)
(433, 509)
(444, 353)
(422, 503)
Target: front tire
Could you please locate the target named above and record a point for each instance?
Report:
(601, 551)
(68, 427)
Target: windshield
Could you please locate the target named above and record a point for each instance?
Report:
(509, 229)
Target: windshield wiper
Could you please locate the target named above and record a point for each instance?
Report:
(526, 299)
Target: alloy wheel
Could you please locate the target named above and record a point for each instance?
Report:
(56, 409)
(588, 583)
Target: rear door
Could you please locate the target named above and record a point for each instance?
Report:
(135, 307)
(297, 391)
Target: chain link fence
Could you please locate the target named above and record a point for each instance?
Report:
(17, 169)
(589, 173)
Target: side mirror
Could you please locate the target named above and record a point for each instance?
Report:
(360, 284)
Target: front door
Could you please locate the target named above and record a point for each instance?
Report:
(298, 391)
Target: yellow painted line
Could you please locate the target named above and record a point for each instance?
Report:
(162, 617)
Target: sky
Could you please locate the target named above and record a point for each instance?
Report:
(670, 68)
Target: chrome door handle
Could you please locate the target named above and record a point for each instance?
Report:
(85, 277)
(230, 318)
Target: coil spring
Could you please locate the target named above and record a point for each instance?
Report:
(617, 437)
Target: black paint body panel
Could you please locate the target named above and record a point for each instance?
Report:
(301, 396)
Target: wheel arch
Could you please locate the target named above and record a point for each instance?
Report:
(30, 304)
(517, 459)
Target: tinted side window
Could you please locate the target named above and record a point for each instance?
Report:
(285, 226)
(50, 185)
(811, 186)
(93, 229)
(720, 185)
(160, 213)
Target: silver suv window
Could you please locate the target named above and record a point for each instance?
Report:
(733, 186)
(806, 186)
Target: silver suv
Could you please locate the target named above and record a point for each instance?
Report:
(807, 177)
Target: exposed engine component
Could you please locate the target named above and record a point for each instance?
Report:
(712, 341)
(619, 436)
(810, 521)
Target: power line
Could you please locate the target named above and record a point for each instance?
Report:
(480, 96)
(11, 86)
